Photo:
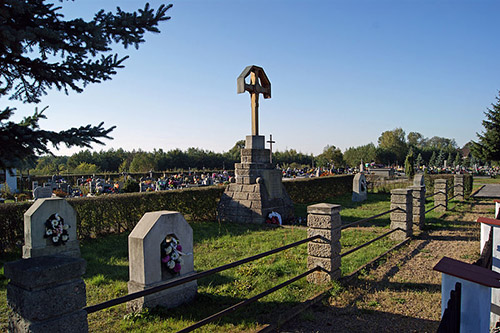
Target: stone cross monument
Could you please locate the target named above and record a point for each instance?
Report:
(258, 190)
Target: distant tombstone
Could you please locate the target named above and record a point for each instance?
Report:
(361, 167)
(359, 188)
(50, 229)
(160, 249)
(42, 192)
(419, 180)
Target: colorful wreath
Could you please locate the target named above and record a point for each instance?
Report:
(171, 252)
(56, 229)
(273, 218)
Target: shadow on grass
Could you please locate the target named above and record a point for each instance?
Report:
(322, 318)
(205, 305)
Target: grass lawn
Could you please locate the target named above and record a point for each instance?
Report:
(215, 245)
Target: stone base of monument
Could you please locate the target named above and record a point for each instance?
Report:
(71, 249)
(168, 298)
(258, 190)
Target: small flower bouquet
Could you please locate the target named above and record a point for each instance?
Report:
(56, 230)
(171, 253)
(274, 218)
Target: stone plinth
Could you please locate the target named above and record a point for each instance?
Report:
(441, 197)
(324, 220)
(418, 203)
(258, 190)
(459, 187)
(35, 218)
(47, 294)
(359, 193)
(403, 217)
(146, 269)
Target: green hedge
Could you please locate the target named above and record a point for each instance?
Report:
(308, 190)
(117, 213)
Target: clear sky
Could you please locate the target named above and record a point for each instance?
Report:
(342, 72)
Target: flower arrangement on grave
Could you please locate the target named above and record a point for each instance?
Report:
(273, 218)
(56, 230)
(171, 253)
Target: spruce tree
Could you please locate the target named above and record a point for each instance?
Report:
(488, 146)
(420, 160)
(409, 165)
(432, 160)
(39, 50)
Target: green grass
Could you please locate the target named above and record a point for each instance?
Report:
(215, 245)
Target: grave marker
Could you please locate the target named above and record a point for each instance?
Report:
(42, 192)
(50, 229)
(359, 193)
(149, 262)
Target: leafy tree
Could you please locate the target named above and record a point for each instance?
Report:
(142, 162)
(331, 156)
(353, 156)
(415, 139)
(39, 50)
(488, 146)
(394, 142)
(86, 168)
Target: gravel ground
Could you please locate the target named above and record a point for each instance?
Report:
(402, 294)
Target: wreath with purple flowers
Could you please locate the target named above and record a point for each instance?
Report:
(171, 252)
(56, 230)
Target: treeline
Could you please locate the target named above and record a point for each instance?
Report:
(393, 146)
(158, 160)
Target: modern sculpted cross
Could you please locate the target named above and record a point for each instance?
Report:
(259, 84)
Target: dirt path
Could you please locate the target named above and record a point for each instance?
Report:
(403, 294)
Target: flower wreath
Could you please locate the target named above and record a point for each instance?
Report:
(171, 252)
(56, 229)
(273, 218)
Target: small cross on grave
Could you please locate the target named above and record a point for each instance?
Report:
(271, 147)
(259, 84)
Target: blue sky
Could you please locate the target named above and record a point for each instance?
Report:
(342, 72)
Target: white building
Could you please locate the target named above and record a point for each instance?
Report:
(9, 178)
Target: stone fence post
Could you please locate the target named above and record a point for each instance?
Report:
(324, 219)
(418, 203)
(459, 187)
(402, 218)
(441, 195)
(47, 294)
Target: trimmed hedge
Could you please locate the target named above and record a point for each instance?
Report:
(117, 213)
(308, 190)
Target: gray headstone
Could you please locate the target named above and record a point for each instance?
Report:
(146, 268)
(42, 192)
(50, 229)
(359, 188)
(419, 180)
